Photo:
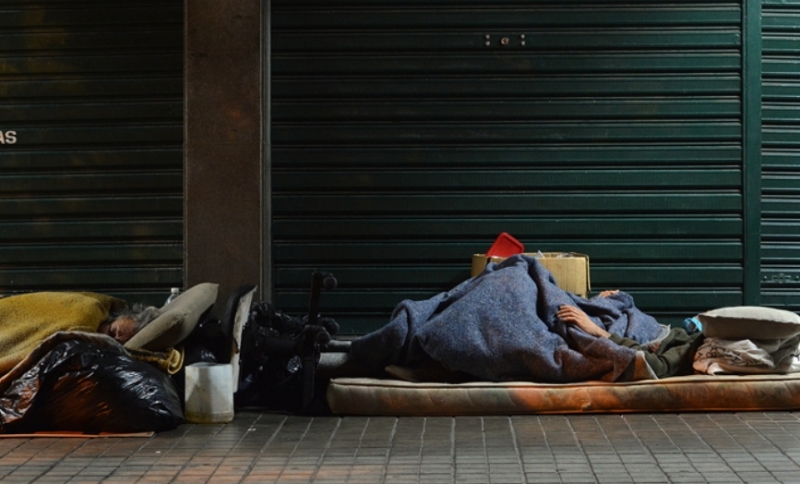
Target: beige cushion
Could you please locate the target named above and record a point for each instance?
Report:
(750, 322)
(178, 318)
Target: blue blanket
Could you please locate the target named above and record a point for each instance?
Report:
(501, 326)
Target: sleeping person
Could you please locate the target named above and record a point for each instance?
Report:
(513, 323)
(668, 356)
(26, 320)
(503, 325)
(680, 352)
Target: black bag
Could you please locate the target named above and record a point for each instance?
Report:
(81, 386)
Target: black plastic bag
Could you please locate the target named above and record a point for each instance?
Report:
(81, 386)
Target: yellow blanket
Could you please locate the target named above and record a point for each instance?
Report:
(28, 319)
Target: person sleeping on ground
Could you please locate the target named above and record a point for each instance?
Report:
(502, 325)
(513, 323)
(670, 356)
(26, 320)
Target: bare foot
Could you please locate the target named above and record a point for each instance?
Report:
(573, 315)
(608, 293)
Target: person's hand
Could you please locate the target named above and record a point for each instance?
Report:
(573, 315)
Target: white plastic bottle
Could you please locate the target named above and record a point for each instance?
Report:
(173, 293)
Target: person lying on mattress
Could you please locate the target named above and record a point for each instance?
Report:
(26, 320)
(513, 323)
(503, 325)
(672, 355)
(681, 351)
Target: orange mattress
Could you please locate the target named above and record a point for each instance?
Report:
(366, 396)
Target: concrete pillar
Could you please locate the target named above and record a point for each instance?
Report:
(223, 187)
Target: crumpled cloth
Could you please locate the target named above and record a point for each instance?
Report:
(501, 326)
(170, 361)
(718, 356)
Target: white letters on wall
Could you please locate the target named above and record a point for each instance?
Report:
(8, 137)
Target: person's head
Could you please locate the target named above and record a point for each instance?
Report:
(122, 325)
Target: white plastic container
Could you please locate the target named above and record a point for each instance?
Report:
(209, 393)
(173, 293)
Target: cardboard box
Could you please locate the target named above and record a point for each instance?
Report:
(570, 270)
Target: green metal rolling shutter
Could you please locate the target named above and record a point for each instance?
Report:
(407, 135)
(91, 189)
(781, 154)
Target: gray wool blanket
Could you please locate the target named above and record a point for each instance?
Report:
(501, 326)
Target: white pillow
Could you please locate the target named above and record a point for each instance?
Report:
(177, 319)
(750, 322)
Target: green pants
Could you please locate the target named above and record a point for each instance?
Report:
(674, 354)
